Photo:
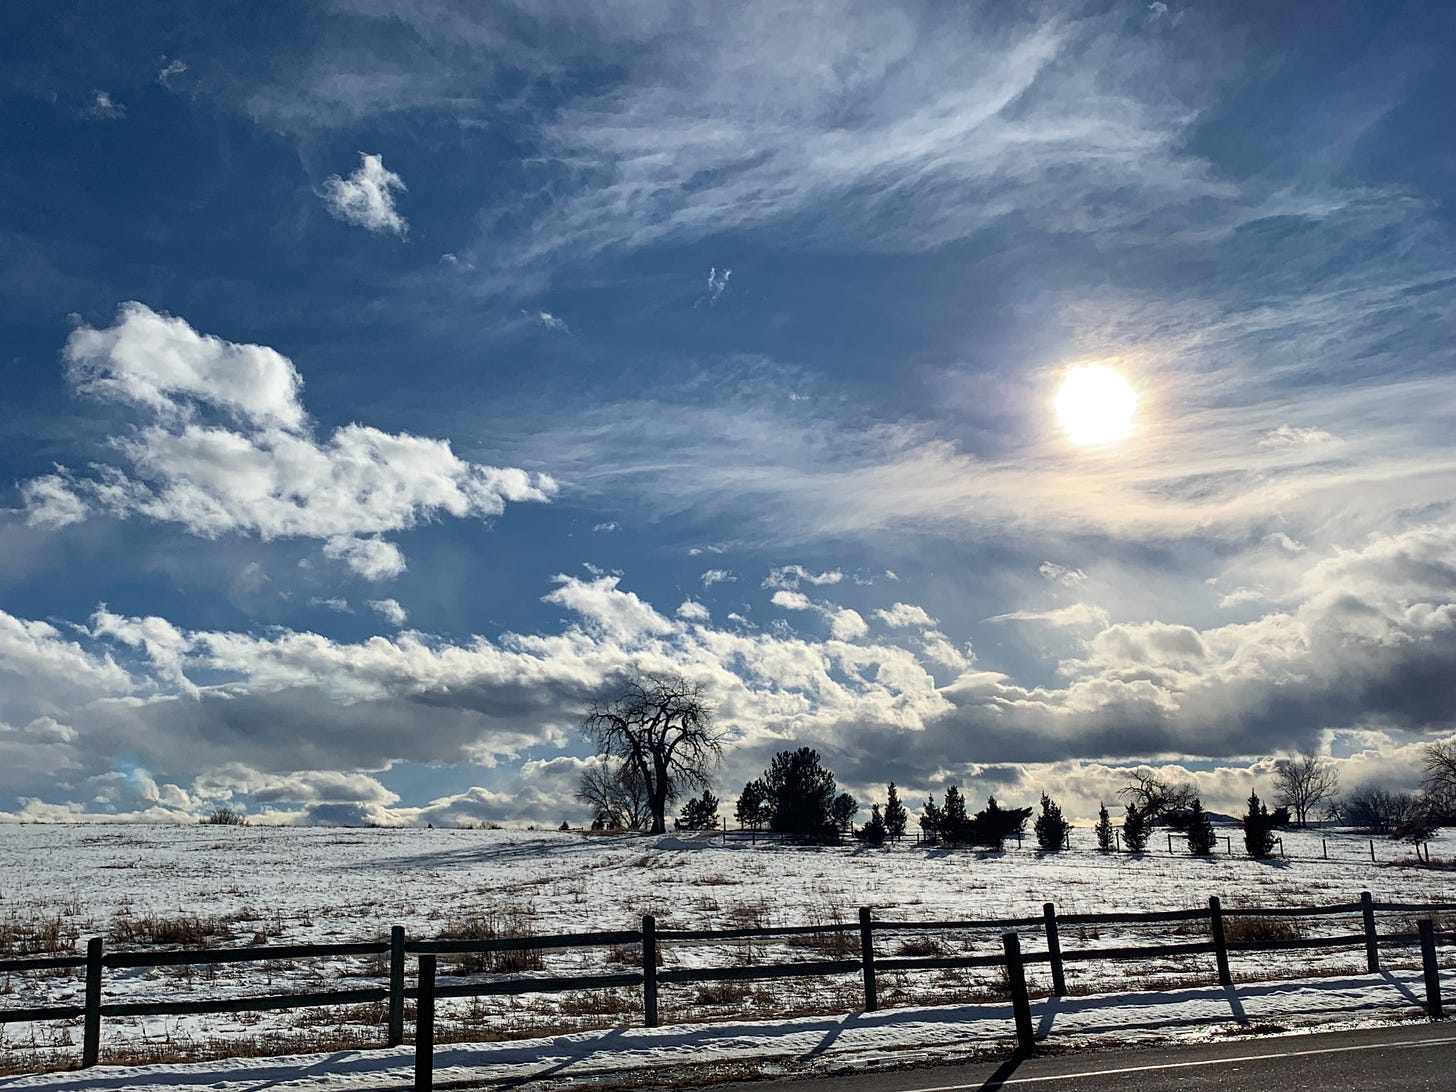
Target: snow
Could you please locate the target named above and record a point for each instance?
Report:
(304, 885)
(806, 1045)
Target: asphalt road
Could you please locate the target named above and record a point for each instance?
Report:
(1410, 1056)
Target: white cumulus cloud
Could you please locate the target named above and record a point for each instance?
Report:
(390, 611)
(366, 197)
(229, 449)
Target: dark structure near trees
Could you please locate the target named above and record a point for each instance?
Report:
(662, 730)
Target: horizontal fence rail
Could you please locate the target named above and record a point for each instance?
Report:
(648, 976)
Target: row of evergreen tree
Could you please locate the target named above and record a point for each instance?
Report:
(797, 795)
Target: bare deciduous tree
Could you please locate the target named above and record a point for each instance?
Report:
(1152, 797)
(1304, 783)
(662, 728)
(1374, 809)
(1440, 760)
(616, 795)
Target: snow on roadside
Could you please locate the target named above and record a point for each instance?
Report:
(799, 1046)
(320, 885)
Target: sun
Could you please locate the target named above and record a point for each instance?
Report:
(1095, 405)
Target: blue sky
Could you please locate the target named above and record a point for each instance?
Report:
(381, 378)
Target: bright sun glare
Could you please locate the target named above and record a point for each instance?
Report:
(1095, 404)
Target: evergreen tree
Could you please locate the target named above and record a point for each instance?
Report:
(931, 819)
(843, 810)
(1105, 837)
(993, 824)
(1258, 830)
(953, 818)
(873, 832)
(1200, 830)
(752, 809)
(701, 813)
(799, 793)
(895, 817)
(1136, 828)
(1051, 828)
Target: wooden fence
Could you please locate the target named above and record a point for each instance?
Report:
(650, 975)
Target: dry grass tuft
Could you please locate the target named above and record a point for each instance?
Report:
(496, 923)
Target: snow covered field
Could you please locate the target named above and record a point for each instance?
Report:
(232, 887)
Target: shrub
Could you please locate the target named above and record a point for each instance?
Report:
(224, 816)
(186, 930)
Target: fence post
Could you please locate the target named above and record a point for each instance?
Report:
(1020, 1000)
(425, 1026)
(649, 970)
(396, 985)
(1372, 850)
(1325, 848)
(1429, 968)
(1054, 949)
(867, 959)
(1372, 952)
(91, 1042)
(1220, 945)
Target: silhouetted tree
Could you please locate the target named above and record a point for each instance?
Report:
(1258, 830)
(1439, 758)
(873, 833)
(1154, 796)
(1373, 809)
(663, 729)
(993, 824)
(1303, 783)
(1106, 838)
(1200, 830)
(931, 819)
(1051, 828)
(752, 808)
(701, 813)
(1136, 828)
(800, 793)
(843, 811)
(895, 817)
(953, 818)
(616, 795)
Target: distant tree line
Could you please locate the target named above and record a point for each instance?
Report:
(656, 741)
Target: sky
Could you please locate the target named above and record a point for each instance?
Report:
(380, 381)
